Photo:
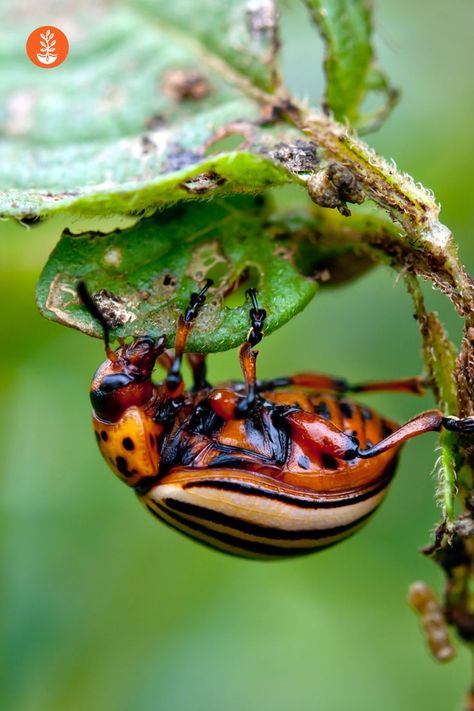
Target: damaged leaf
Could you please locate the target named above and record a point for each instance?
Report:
(131, 115)
(351, 70)
(141, 278)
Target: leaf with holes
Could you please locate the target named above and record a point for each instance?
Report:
(141, 278)
(157, 102)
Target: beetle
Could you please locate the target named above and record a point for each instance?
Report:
(258, 468)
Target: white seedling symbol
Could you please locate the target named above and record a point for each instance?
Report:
(47, 54)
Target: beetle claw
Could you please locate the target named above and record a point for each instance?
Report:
(464, 425)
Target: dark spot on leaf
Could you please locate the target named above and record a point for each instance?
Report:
(185, 85)
(203, 183)
(169, 280)
(155, 122)
(178, 158)
(298, 157)
(148, 145)
(104, 436)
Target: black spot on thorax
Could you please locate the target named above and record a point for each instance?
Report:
(122, 465)
(128, 444)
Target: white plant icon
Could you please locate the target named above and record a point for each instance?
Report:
(48, 48)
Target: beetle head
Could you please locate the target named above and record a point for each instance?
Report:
(124, 379)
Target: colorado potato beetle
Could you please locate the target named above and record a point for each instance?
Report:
(259, 468)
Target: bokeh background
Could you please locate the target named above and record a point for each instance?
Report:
(107, 610)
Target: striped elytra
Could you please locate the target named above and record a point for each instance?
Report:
(308, 501)
(262, 469)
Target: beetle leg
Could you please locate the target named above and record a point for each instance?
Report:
(174, 378)
(197, 361)
(248, 356)
(429, 421)
(312, 381)
(315, 435)
(316, 381)
(165, 359)
(412, 386)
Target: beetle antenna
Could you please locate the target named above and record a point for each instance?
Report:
(91, 306)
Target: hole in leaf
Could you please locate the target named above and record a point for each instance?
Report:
(203, 182)
(169, 280)
(217, 273)
(249, 278)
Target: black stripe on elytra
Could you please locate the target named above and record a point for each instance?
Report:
(253, 529)
(241, 544)
(346, 409)
(321, 409)
(300, 502)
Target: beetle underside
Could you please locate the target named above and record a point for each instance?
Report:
(258, 468)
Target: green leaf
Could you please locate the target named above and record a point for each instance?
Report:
(134, 116)
(351, 71)
(142, 277)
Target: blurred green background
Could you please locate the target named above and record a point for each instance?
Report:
(107, 610)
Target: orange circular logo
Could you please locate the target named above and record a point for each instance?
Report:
(47, 47)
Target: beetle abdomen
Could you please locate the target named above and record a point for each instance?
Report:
(254, 516)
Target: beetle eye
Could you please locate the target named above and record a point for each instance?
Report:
(114, 381)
